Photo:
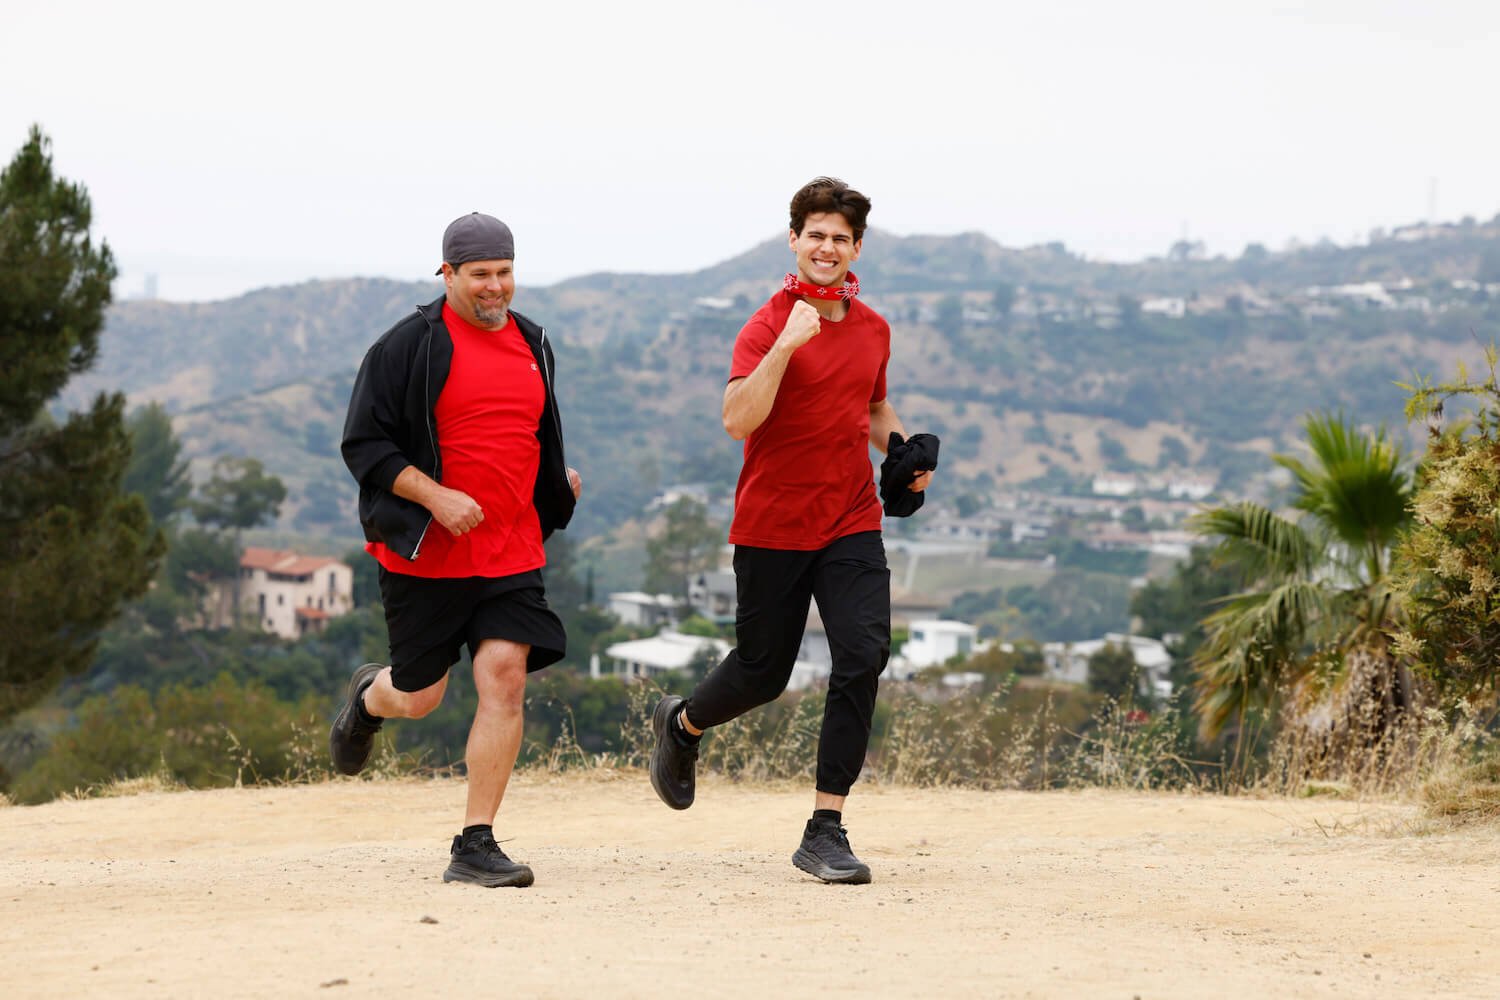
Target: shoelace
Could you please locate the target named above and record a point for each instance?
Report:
(362, 728)
(486, 847)
(838, 834)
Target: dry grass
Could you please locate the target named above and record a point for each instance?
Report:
(1447, 763)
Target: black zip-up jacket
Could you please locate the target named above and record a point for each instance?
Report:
(392, 424)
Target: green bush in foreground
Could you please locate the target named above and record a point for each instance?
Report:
(221, 734)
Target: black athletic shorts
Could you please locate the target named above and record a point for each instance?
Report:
(430, 620)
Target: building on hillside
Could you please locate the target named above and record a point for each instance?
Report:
(1169, 306)
(712, 594)
(640, 610)
(665, 652)
(935, 640)
(671, 651)
(1069, 661)
(1115, 484)
(284, 592)
(1191, 487)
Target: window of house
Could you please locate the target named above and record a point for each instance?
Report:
(280, 600)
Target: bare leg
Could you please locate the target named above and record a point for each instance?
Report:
(495, 736)
(826, 800)
(382, 698)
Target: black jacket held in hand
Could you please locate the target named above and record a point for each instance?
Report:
(904, 459)
(392, 424)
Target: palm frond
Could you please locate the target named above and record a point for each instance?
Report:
(1256, 641)
(1356, 485)
(1257, 542)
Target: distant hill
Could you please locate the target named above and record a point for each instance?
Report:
(1035, 364)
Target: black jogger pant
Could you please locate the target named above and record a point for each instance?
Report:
(852, 585)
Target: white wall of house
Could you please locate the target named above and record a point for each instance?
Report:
(295, 596)
(1069, 661)
(936, 640)
(275, 600)
(642, 610)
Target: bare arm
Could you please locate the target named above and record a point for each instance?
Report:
(883, 420)
(453, 509)
(748, 400)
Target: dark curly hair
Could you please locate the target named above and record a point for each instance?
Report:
(829, 194)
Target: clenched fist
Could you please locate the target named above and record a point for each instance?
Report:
(456, 511)
(801, 326)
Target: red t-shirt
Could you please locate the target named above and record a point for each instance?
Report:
(807, 478)
(487, 416)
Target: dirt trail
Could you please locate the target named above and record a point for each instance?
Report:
(334, 890)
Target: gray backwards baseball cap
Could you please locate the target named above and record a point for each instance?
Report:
(477, 237)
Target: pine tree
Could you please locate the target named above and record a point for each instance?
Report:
(73, 546)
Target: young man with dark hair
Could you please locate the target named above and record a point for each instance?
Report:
(807, 395)
(454, 437)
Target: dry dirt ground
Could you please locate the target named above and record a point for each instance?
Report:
(334, 890)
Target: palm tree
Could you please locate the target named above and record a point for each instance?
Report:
(1313, 616)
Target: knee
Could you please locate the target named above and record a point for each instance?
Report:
(500, 677)
(424, 702)
(862, 661)
(765, 684)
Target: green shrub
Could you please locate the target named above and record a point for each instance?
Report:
(221, 734)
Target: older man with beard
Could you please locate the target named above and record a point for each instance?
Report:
(454, 437)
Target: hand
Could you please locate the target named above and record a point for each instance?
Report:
(801, 326)
(575, 481)
(456, 511)
(920, 483)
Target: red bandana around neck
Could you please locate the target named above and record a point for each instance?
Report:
(848, 290)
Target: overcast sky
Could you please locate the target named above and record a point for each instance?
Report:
(232, 147)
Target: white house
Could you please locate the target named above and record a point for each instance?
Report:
(1170, 306)
(658, 654)
(935, 640)
(641, 610)
(669, 651)
(1191, 487)
(1069, 661)
(712, 594)
(1115, 484)
(285, 592)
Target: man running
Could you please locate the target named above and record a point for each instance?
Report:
(454, 436)
(807, 395)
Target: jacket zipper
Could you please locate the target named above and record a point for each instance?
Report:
(431, 435)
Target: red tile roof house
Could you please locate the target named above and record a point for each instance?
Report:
(286, 592)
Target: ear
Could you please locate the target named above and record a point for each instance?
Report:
(858, 245)
(791, 239)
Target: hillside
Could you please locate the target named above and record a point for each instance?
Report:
(334, 889)
(1035, 365)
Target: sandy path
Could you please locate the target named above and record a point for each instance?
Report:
(333, 890)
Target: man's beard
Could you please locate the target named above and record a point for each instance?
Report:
(490, 315)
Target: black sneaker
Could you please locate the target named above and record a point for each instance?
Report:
(351, 738)
(825, 852)
(479, 861)
(674, 760)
